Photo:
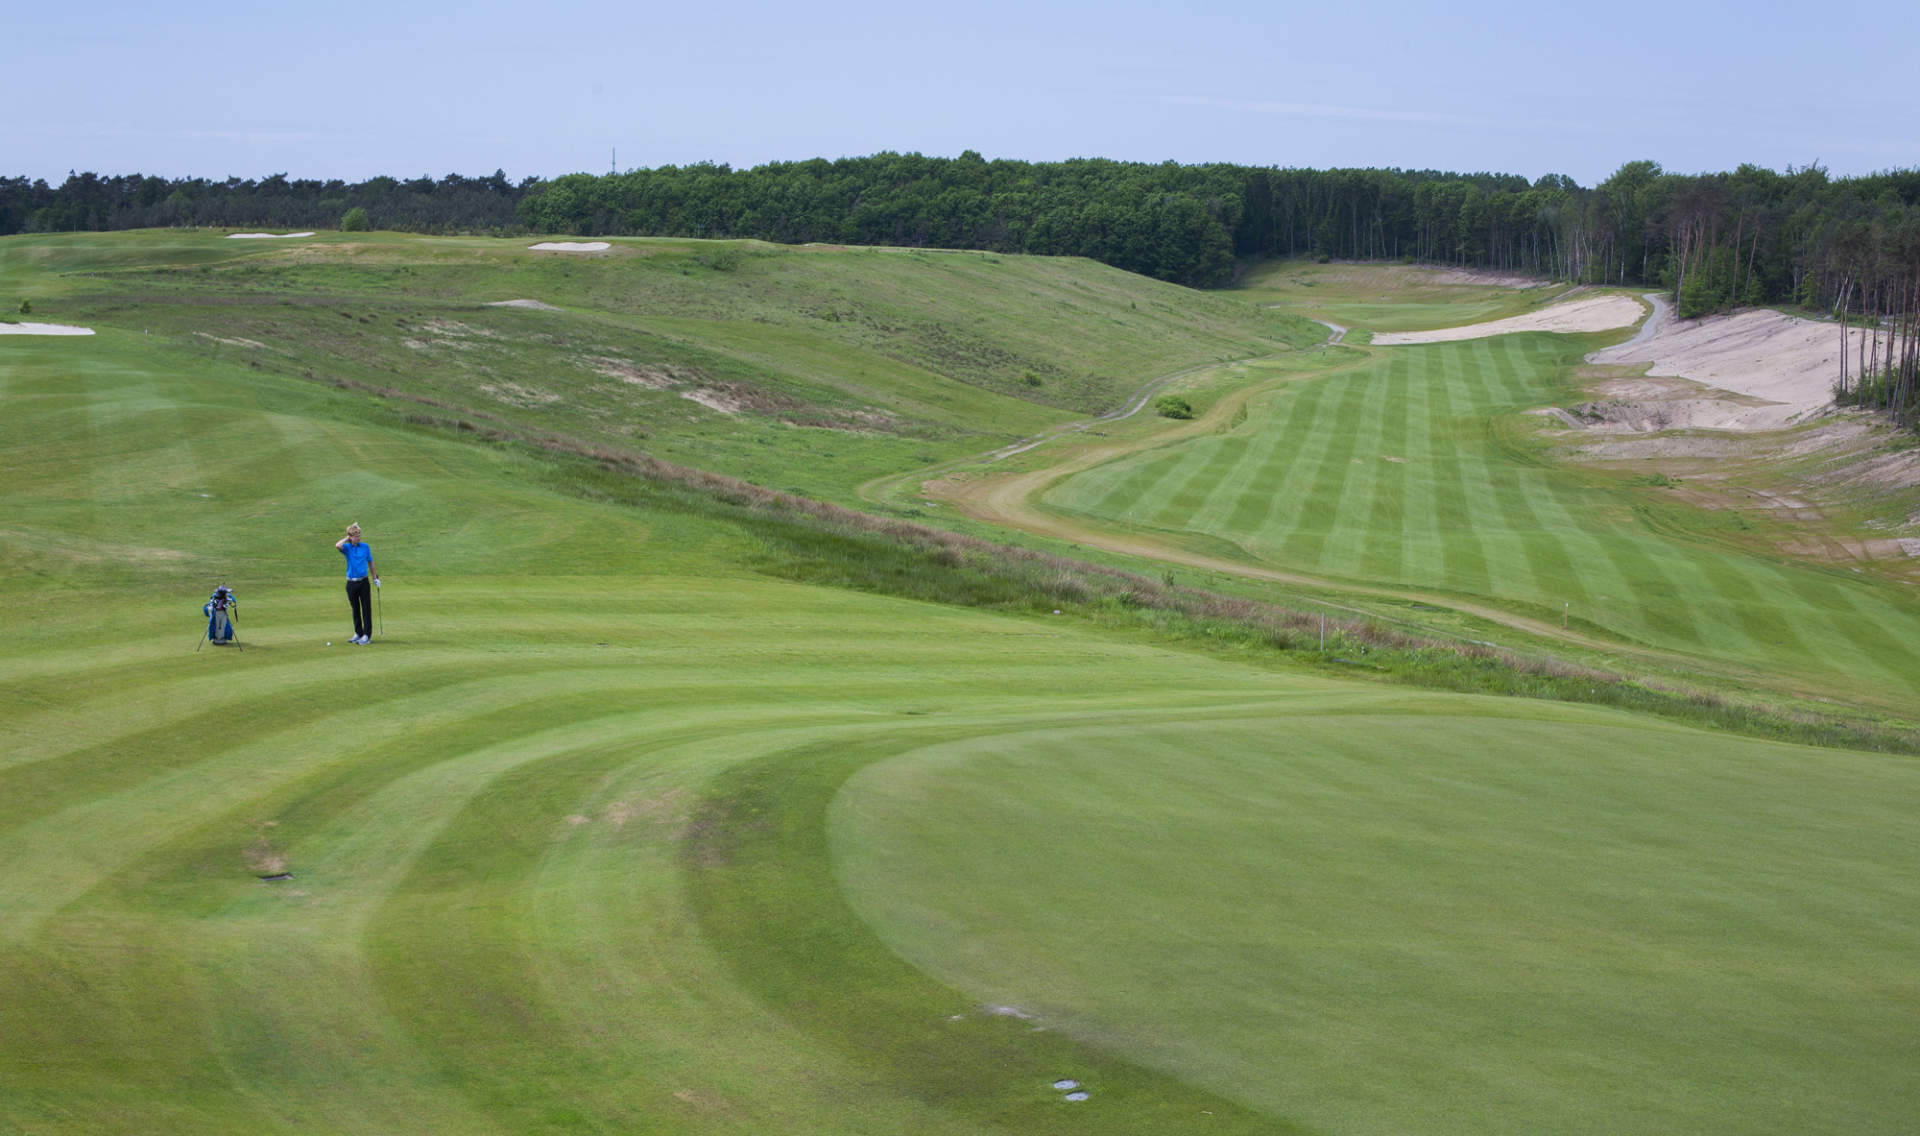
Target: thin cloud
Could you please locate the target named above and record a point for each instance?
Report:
(1324, 110)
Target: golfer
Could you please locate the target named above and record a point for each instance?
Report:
(360, 569)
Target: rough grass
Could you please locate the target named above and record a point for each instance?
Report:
(812, 368)
(1390, 297)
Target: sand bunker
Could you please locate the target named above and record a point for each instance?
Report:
(1788, 363)
(264, 236)
(522, 304)
(42, 329)
(1591, 313)
(571, 246)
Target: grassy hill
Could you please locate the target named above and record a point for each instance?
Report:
(809, 368)
(615, 828)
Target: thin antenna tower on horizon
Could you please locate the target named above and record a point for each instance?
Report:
(613, 162)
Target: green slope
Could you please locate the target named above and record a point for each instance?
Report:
(811, 368)
(564, 845)
(1394, 914)
(1415, 471)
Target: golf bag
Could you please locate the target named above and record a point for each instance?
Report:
(220, 609)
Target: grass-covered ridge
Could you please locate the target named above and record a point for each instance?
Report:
(797, 367)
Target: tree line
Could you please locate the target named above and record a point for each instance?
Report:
(1849, 246)
(90, 203)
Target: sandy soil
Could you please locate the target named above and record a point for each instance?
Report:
(251, 343)
(42, 329)
(1590, 313)
(1487, 277)
(264, 236)
(715, 400)
(523, 304)
(1787, 363)
(571, 246)
(1369, 275)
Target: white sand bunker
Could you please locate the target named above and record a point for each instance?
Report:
(264, 236)
(42, 329)
(571, 246)
(522, 304)
(1788, 362)
(1593, 313)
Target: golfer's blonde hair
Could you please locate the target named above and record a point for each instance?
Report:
(353, 529)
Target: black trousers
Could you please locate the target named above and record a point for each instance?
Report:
(360, 599)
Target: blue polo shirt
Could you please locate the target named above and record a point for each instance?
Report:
(359, 558)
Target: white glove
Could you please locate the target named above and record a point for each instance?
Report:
(376, 581)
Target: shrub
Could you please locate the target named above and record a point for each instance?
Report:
(1173, 406)
(26, 307)
(355, 221)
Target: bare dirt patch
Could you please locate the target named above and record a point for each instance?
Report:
(1400, 276)
(571, 246)
(712, 399)
(735, 398)
(1485, 278)
(265, 236)
(261, 857)
(534, 304)
(653, 376)
(1590, 313)
(514, 394)
(454, 329)
(253, 343)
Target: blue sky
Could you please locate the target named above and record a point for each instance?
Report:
(431, 88)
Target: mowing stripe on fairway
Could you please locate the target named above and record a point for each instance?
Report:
(1572, 921)
(1469, 511)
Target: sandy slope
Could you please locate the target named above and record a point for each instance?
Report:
(1591, 313)
(1788, 362)
(571, 246)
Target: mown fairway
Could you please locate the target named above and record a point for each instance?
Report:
(1416, 471)
(611, 831)
(1389, 914)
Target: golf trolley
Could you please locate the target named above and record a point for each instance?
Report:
(220, 609)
